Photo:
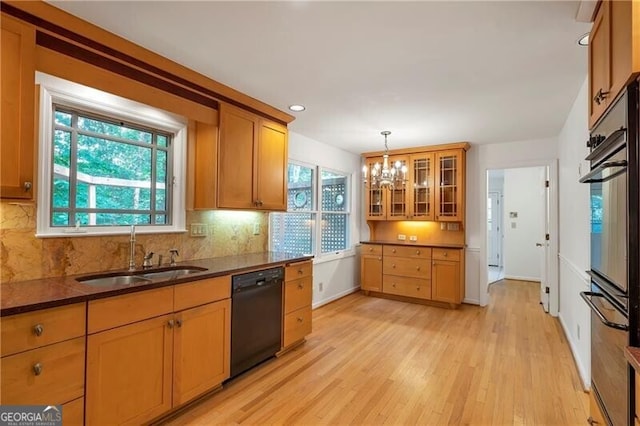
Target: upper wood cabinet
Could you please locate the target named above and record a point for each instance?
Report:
(17, 136)
(614, 53)
(434, 189)
(252, 161)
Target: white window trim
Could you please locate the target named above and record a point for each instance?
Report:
(63, 92)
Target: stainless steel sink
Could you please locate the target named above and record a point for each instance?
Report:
(139, 277)
(120, 280)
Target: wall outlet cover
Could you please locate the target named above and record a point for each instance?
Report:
(198, 230)
(402, 237)
(256, 229)
(443, 226)
(413, 238)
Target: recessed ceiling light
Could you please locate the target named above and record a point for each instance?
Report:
(297, 107)
(584, 40)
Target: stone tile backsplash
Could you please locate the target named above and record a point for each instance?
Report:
(25, 257)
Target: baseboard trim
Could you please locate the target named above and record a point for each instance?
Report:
(586, 381)
(471, 301)
(519, 278)
(335, 297)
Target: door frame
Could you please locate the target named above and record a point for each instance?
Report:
(552, 266)
(497, 216)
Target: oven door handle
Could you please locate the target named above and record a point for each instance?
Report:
(585, 296)
(595, 175)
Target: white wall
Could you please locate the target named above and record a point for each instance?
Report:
(523, 196)
(339, 276)
(481, 158)
(574, 234)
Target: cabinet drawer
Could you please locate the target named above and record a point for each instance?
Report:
(418, 268)
(412, 252)
(298, 270)
(73, 412)
(31, 330)
(446, 254)
(410, 287)
(297, 294)
(372, 249)
(201, 292)
(49, 375)
(297, 324)
(120, 310)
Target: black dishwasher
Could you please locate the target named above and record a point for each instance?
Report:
(256, 318)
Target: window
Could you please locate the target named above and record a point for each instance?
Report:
(310, 202)
(107, 163)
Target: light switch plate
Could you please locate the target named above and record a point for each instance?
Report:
(256, 228)
(198, 230)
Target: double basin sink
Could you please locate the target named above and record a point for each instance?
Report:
(139, 277)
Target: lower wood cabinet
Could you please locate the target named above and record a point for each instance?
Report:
(418, 272)
(139, 371)
(298, 294)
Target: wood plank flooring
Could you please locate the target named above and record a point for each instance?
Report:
(378, 361)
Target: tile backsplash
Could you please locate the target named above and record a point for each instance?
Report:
(25, 257)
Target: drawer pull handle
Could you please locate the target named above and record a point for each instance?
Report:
(300, 286)
(445, 254)
(300, 319)
(170, 323)
(300, 271)
(393, 265)
(370, 248)
(38, 329)
(417, 268)
(179, 323)
(417, 251)
(37, 369)
(393, 285)
(394, 250)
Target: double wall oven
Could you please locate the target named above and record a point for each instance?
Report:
(613, 183)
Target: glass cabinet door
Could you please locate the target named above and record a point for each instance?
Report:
(375, 199)
(449, 186)
(421, 185)
(398, 197)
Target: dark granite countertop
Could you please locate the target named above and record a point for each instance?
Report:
(632, 355)
(417, 244)
(24, 296)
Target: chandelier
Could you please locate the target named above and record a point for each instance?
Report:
(385, 176)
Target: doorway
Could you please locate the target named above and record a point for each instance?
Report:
(517, 226)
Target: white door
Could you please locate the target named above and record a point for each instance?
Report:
(543, 244)
(493, 228)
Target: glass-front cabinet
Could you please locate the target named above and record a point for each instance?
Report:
(449, 184)
(398, 196)
(421, 185)
(375, 198)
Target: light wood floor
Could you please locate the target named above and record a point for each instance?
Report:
(377, 361)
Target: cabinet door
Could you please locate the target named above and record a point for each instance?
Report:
(623, 50)
(450, 186)
(129, 372)
(236, 158)
(371, 272)
(17, 139)
(205, 151)
(398, 204)
(421, 186)
(271, 167)
(445, 281)
(375, 198)
(201, 350)
(599, 52)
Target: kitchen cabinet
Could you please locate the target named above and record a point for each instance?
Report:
(151, 351)
(614, 53)
(371, 267)
(434, 189)
(17, 114)
(43, 356)
(447, 285)
(252, 161)
(449, 201)
(298, 293)
(407, 271)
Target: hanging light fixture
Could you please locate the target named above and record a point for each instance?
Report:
(385, 175)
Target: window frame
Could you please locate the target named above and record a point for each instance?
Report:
(55, 91)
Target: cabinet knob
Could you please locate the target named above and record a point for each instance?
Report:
(418, 288)
(445, 254)
(27, 186)
(37, 369)
(393, 265)
(393, 285)
(417, 268)
(417, 251)
(300, 271)
(170, 323)
(370, 248)
(380, 258)
(179, 323)
(38, 329)
(300, 286)
(300, 319)
(393, 251)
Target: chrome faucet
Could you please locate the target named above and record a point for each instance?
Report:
(132, 249)
(174, 253)
(148, 260)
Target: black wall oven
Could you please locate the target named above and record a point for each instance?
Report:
(614, 278)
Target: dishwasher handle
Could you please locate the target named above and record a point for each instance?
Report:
(585, 296)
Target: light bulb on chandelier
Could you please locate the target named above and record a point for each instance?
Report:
(385, 175)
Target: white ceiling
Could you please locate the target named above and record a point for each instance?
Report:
(430, 72)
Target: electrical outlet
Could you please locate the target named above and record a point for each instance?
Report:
(402, 237)
(256, 228)
(198, 230)
(443, 226)
(413, 238)
(453, 226)
(320, 286)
